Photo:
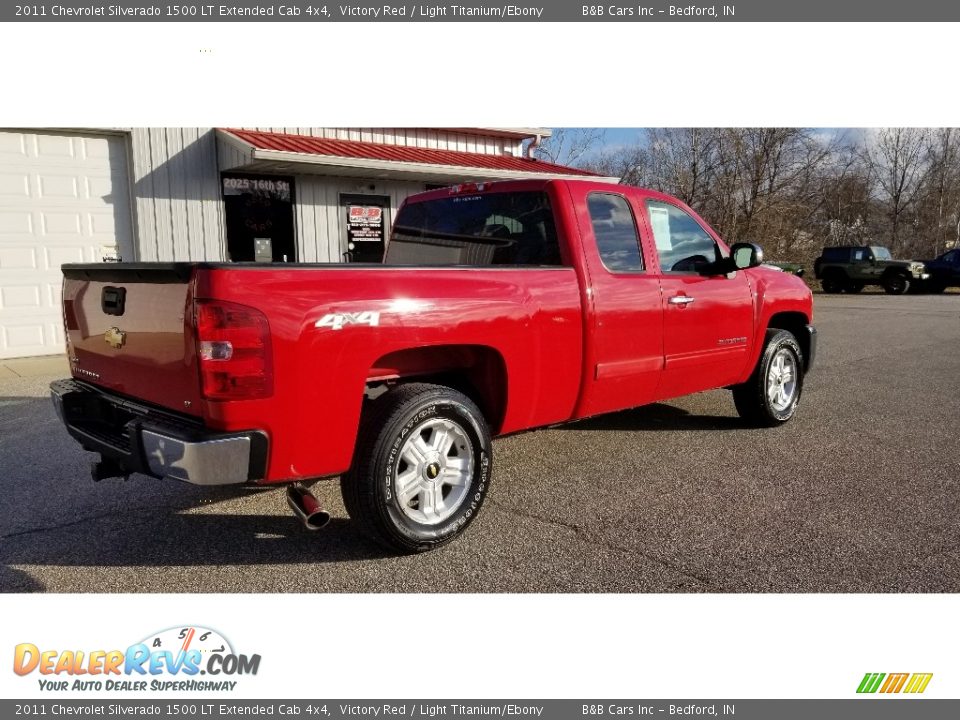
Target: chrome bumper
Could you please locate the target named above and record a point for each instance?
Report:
(150, 441)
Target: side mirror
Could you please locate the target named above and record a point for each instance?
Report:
(746, 255)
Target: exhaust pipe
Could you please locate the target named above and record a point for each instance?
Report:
(306, 507)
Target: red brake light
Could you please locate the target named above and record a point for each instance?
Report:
(469, 187)
(233, 347)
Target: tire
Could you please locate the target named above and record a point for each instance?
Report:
(854, 287)
(765, 400)
(423, 436)
(896, 284)
(833, 282)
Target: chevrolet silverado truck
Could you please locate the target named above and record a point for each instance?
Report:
(499, 307)
(851, 268)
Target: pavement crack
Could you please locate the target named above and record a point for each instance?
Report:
(69, 523)
(594, 539)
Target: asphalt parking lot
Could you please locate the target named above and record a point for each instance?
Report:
(859, 493)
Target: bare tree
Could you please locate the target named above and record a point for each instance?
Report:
(795, 190)
(570, 146)
(940, 209)
(897, 161)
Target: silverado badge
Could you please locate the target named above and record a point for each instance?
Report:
(115, 337)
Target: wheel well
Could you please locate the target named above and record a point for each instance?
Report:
(796, 324)
(838, 273)
(478, 371)
(889, 272)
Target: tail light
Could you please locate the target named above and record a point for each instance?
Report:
(468, 187)
(233, 344)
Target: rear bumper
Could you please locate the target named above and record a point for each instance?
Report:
(145, 440)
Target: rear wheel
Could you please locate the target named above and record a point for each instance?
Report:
(896, 284)
(421, 468)
(833, 282)
(771, 395)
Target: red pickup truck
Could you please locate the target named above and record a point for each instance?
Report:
(500, 307)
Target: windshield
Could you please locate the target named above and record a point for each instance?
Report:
(509, 228)
(881, 253)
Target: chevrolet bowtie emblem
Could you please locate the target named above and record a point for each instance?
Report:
(115, 337)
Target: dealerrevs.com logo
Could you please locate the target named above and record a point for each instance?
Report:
(189, 658)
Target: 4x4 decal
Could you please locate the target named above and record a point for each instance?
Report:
(337, 321)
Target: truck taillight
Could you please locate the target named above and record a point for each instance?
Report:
(233, 346)
(469, 187)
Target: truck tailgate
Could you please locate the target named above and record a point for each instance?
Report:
(129, 329)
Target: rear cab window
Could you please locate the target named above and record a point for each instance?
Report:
(505, 228)
(615, 232)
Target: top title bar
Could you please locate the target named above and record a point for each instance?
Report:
(555, 11)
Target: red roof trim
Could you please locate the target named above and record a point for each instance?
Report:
(305, 145)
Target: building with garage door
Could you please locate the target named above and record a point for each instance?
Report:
(217, 194)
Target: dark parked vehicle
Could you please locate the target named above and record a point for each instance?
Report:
(944, 271)
(851, 268)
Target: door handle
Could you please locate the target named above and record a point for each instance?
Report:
(681, 300)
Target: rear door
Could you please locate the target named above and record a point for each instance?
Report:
(625, 315)
(708, 320)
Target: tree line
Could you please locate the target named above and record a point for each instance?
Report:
(795, 190)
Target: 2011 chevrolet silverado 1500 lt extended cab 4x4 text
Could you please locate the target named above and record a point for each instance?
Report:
(500, 307)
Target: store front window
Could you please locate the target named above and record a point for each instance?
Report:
(259, 218)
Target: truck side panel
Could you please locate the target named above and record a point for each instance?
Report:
(332, 329)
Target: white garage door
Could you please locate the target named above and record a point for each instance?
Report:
(64, 197)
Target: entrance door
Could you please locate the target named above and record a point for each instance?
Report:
(365, 223)
(259, 214)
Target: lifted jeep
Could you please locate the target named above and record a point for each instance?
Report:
(851, 268)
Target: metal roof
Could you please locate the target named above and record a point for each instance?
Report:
(301, 145)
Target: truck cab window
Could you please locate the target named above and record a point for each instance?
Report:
(682, 244)
(615, 232)
(508, 228)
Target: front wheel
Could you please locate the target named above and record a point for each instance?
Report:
(771, 395)
(896, 284)
(421, 469)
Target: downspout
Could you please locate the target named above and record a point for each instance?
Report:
(532, 147)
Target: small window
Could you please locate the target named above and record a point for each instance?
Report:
(615, 232)
(682, 244)
(859, 255)
(835, 255)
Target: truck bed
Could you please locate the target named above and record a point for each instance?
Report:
(332, 328)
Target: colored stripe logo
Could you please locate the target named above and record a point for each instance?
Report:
(913, 683)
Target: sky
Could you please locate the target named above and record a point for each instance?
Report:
(627, 137)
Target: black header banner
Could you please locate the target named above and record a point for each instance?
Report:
(554, 11)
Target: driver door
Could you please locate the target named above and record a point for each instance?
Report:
(708, 323)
